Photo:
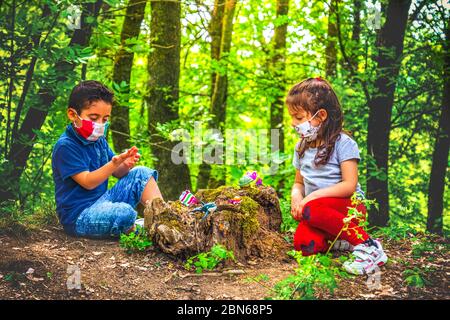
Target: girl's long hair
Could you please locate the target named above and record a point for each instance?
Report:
(311, 95)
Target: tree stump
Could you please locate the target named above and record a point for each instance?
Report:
(250, 228)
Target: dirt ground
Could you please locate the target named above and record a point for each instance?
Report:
(108, 272)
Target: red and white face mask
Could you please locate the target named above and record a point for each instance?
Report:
(91, 130)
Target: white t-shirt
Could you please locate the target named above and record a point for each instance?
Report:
(329, 174)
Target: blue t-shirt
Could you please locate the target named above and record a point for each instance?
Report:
(73, 154)
(318, 177)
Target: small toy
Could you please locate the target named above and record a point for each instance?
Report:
(187, 198)
(235, 200)
(250, 177)
(206, 208)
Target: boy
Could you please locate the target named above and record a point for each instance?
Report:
(82, 162)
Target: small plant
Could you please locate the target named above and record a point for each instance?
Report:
(258, 279)
(353, 214)
(135, 241)
(209, 260)
(320, 271)
(397, 231)
(9, 277)
(415, 278)
(422, 248)
(14, 278)
(313, 273)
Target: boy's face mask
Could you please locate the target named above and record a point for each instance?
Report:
(306, 130)
(91, 130)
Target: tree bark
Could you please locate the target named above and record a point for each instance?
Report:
(390, 48)
(215, 32)
(164, 73)
(356, 32)
(441, 150)
(278, 68)
(330, 50)
(22, 146)
(120, 119)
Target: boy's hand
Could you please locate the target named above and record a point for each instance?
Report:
(129, 158)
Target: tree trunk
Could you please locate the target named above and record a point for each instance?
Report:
(220, 88)
(278, 67)
(390, 48)
(330, 50)
(250, 229)
(35, 117)
(120, 119)
(356, 30)
(219, 97)
(441, 150)
(215, 32)
(164, 73)
(356, 33)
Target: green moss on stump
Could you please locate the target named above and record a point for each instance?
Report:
(246, 218)
(209, 195)
(249, 222)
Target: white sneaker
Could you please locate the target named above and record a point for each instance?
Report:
(367, 258)
(342, 245)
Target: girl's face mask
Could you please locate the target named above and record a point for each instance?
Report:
(91, 130)
(306, 130)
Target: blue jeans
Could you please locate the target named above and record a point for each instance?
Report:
(113, 213)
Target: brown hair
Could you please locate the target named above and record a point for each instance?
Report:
(86, 92)
(311, 95)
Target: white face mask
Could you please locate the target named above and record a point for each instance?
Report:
(306, 130)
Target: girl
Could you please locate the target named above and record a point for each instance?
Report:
(326, 161)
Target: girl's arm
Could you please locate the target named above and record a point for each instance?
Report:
(343, 189)
(297, 195)
(91, 180)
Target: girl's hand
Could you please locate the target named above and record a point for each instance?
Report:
(309, 198)
(129, 158)
(297, 205)
(296, 208)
